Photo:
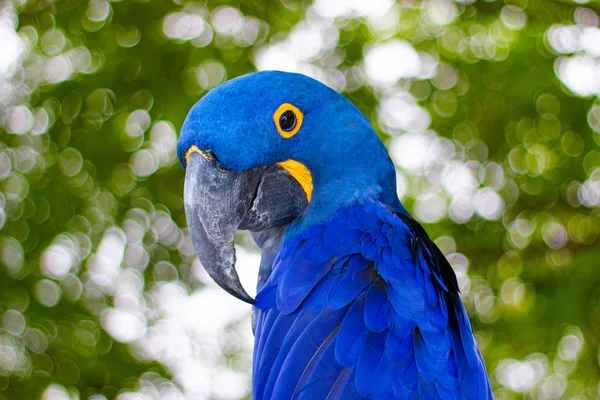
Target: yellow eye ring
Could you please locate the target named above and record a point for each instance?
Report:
(288, 120)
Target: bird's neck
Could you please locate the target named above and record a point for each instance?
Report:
(367, 178)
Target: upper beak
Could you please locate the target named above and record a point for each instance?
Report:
(219, 202)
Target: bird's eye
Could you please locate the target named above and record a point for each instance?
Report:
(288, 120)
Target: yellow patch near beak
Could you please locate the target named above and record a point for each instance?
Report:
(195, 149)
(207, 155)
(301, 174)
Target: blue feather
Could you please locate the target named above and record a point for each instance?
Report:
(266, 297)
(375, 369)
(400, 348)
(427, 390)
(296, 285)
(377, 311)
(339, 385)
(406, 379)
(437, 343)
(307, 345)
(352, 334)
(322, 362)
(265, 382)
(347, 278)
(257, 349)
(321, 375)
(350, 392)
(271, 346)
(265, 321)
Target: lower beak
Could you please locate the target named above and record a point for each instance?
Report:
(219, 202)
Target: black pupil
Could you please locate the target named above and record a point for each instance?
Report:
(287, 121)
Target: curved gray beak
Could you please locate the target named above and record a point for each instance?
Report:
(219, 202)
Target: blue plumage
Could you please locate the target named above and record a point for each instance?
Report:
(377, 308)
(388, 310)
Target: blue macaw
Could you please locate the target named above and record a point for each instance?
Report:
(354, 300)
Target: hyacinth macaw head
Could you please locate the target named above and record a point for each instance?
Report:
(270, 150)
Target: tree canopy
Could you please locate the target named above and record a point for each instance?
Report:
(488, 108)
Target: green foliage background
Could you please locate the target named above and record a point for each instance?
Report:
(89, 111)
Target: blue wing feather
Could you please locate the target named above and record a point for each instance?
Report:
(352, 334)
(271, 347)
(308, 345)
(339, 385)
(349, 391)
(322, 376)
(348, 277)
(374, 371)
(265, 321)
(364, 306)
(270, 373)
(377, 308)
